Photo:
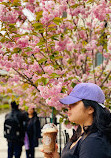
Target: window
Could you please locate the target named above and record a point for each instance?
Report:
(64, 15)
(99, 59)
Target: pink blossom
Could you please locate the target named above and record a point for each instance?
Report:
(31, 1)
(55, 102)
(49, 5)
(8, 16)
(109, 47)
(82, 34)
(74, 38)
(30, 7)
(78, 46)
(23, 42)
(1, 52)
(100, 11)
(75, 12)
(100, 48)
(92, 45)
(35, 77)
(89, 24)
(49, 69)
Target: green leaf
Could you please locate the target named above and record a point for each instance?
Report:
(56, 52)
(54, 75)
(59, 57)
(70, 78)
(41, 43)
(73, 84)
(84, 43)
(56, 66)
(41, 61)
(70, 61)
(66, 122)
(74, 6)
(61, 119)
(39, 15)
(38, 26)
(17, 50)
(4, 39)
(12, 25)
(28, 49)
(16, 3)
(52, 56)
(65, 110)
(63, 90)
(55, 37)
(90, 1)
(1, 34)
(51, 29)
(51, 25)
(54, 111)
(45, 80)
(57, 20)
(18, 35)
(5, 3)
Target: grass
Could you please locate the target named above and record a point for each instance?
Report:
(4, 106)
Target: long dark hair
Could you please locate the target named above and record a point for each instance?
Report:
(101, 121)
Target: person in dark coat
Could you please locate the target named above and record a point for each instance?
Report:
(15, 144)
(86, 108)
(33, 132)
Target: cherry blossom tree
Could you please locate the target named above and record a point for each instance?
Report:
(47, 47)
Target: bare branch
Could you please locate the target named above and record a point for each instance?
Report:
(103, 68)
(38, 63)
(27, 78)
(105, 79)
(93, 66)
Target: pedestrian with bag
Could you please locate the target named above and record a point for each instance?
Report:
(33, 132)
(86, 108)
(14, 130)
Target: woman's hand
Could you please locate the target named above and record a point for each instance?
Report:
(55, 154)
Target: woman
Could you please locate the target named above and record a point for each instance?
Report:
(33, 132)
(92, 139)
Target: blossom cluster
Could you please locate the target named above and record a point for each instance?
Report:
(47, 55)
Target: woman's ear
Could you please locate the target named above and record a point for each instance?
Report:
(90, 110)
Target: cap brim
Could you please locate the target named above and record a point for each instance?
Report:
(69, 100)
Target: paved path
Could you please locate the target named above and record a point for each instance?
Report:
(3, 143)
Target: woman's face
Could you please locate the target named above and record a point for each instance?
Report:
(78, 114)
(30, 111)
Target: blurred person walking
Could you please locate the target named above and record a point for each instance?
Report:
(14, 130)
(33, 132)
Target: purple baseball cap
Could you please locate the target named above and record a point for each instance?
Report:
(88, 91)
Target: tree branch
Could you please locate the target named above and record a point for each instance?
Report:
(105, 79)
(38, 63)
(27, 78)
(103, 68)
(93, 67)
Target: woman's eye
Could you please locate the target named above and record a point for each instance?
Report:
(72, 105)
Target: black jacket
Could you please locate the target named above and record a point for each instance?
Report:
(33, 130)
(95, 145)
(22, 120)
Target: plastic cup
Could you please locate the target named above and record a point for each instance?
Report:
(49, 137)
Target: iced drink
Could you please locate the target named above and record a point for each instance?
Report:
(49, 133)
